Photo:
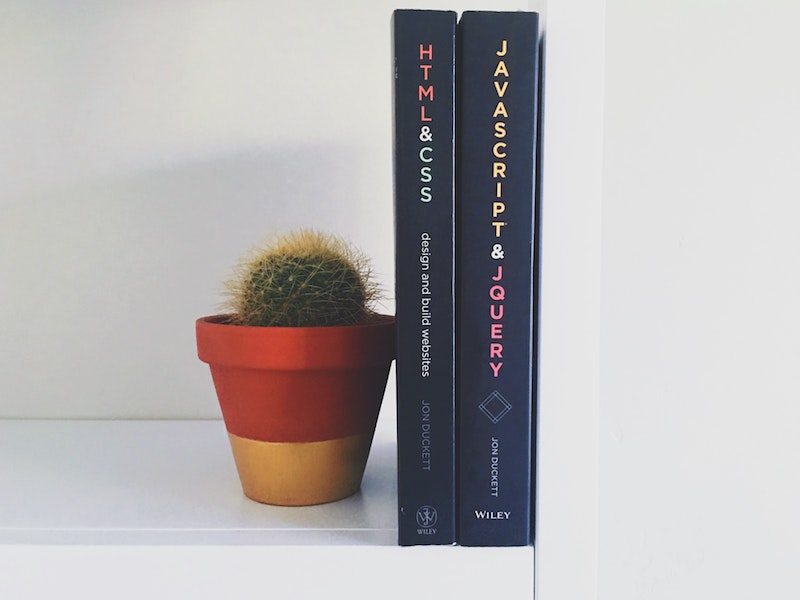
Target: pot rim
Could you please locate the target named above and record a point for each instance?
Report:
(222, 343)
(224, 319)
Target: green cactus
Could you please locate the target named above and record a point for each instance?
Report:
(303, 279)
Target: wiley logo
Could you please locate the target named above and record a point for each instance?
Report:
(426, 519)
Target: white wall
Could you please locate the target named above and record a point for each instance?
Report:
(143, 147)
(700, 359)
(567, 470)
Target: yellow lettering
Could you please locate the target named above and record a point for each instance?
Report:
(501, 69)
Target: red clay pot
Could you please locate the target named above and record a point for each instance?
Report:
(299, 403)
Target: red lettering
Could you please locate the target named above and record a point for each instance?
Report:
(499, 275)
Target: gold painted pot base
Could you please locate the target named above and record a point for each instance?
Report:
(300, 473)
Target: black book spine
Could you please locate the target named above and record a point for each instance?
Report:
(424, 157)
(497, 103)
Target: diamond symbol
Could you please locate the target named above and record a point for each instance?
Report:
(495, 407)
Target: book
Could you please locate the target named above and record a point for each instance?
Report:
(497, 115)
(424, 201)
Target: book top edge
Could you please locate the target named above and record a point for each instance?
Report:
(422, 11)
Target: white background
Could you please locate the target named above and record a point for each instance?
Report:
(700, 351)
(145, 145)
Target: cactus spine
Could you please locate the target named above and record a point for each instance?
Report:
(303, 279)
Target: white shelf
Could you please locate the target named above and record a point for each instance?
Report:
(165, 482)
(126, 496)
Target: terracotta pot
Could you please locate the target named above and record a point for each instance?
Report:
(300, 403)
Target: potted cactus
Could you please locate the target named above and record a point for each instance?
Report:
(299, 361)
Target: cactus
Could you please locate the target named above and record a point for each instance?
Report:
(303, 279)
